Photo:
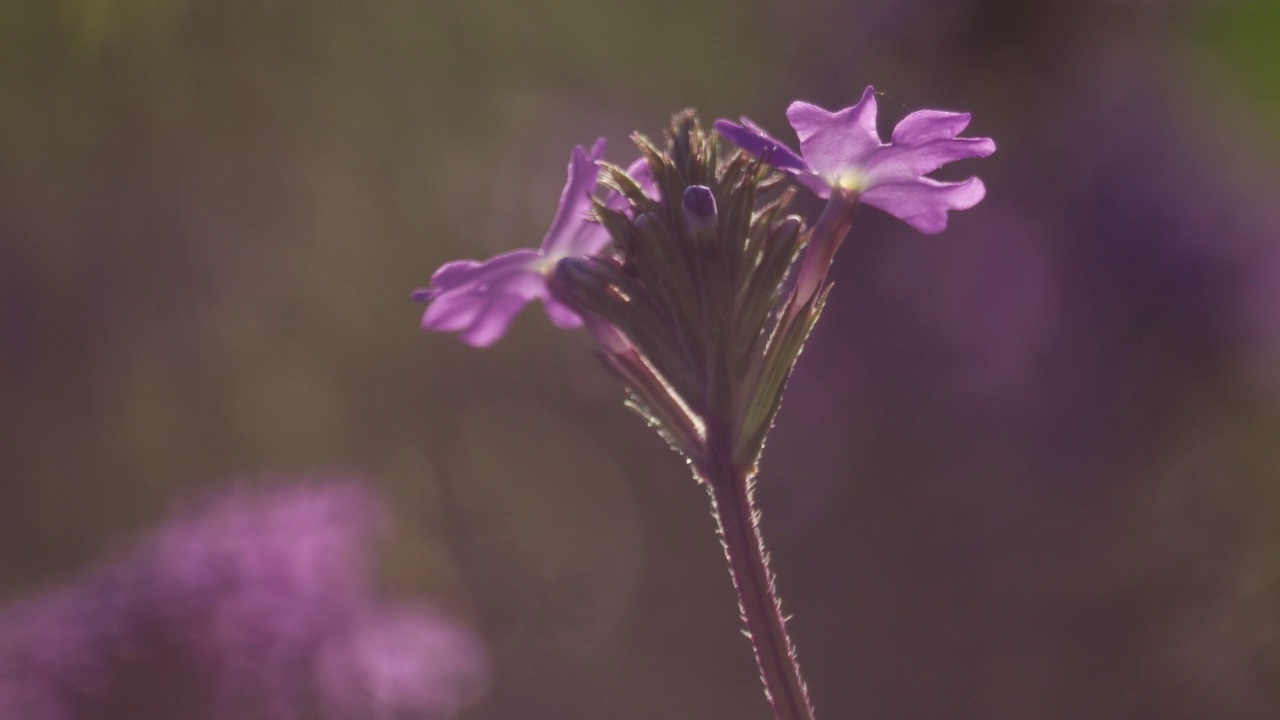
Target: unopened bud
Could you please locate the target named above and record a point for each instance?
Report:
(577, 282)
(700, 216)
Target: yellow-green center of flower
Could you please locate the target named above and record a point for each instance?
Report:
(546, 264)
(851, 180)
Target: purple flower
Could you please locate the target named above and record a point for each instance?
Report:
(58, 647)
(399, 662)
(254, 604)
(247, 583)
(842, 150)
(480, 299)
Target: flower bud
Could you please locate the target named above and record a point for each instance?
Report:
(578, 283)
(700, 216)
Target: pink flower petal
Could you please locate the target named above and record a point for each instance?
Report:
(923, 203)
(830, 142)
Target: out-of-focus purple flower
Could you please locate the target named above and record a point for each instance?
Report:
(248, 599)
(842, 150)
(59, 646)
(399, 662)
(250, 581)
(480, 299)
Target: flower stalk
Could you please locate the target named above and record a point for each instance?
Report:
(731, 489)
(696, 311)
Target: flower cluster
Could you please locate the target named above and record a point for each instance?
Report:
(841, 152)
(700, 288)
(255, 604)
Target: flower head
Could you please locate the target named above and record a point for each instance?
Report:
(58, 647)
(252, 604)
(842, 150)
(691, 303)
(480, 299)
(245, 583)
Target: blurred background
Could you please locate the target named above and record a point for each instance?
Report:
(1029, 468)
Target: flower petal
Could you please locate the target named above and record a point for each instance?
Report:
(923, 203)
(572, 231)
(816, 184)
(493, 319)
(896, 163)
(559, 314)
(925, 125)
(834, 143)
(923, 142)
(754, 140)
(483, 317)
(451, 312)
(459, 273)
(481, 299)
(643, 175)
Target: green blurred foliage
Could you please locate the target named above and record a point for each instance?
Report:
(1241, 43)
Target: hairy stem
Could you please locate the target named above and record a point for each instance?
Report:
(731, 490)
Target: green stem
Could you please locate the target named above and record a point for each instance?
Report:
(732, 502)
